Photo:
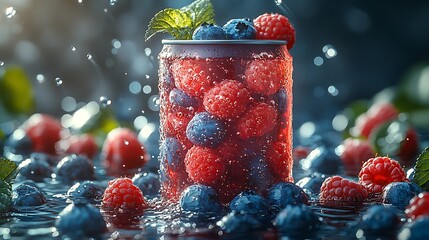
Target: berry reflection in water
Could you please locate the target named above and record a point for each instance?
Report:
(227, 109)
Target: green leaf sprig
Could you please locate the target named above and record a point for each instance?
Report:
(8, 171)
(181, 23)
(421, 174)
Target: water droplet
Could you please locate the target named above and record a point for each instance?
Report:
(1, 63)
(105, 10)
(154, 102)
(333, 90)
(147, 76)
(116, 43)
(134, 87)
(126, 74)
(147, 89)
(278, 2)
(318, 61)
(89, 56)
(40, 78)
(126, 142)
(329, 51)
(79, 1)
(58, 81)
(10, 12)
(73, 48)
(105, 101)
(147, 51)
(113, 2)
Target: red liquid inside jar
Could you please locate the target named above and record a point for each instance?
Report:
(226, 116)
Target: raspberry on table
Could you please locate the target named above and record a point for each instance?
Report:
(204, 165)
(273, 26)
(377, 172)
(191, 77)
(44, 132)
(337, 190)
(418, 207)
(265, 76)
(227, 100)
(257, 121)
(122, 193)
(355, 153)
(376, 115)
(84, 144)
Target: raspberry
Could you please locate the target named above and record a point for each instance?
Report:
(122, 193)
(418, 207)
(377, 172)
(122, 152)
(44, 132)
(336, 190)
(300, 152)
(176, 122)
(376, 115)
(409, 146)
(257, 121)
(82, 145)
(227, 100)
(355, 153)
(275, 27)
(203, 165)
(280, 162)
(265, 76)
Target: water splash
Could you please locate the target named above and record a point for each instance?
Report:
(10, 12)
(58, 81)
(105, 101)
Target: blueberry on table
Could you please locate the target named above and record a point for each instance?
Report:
(209, 32)
(380, 219)
(238, 223)
(74, 168)
(296, 220)
(240, 29)
(18, 146)
(34, 168)
(80, 220)
(322, 160)
(148, 183)
(26, 195)
(251, 203)
(311, 184)
(201, 200)
(399, 194)
(286, 193)
(85, 190)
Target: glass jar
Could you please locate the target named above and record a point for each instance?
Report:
(225, 115)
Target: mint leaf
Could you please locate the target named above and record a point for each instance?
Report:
(421, 175)
(7, 170)
(5, 196)
(16, 92)
(201, 11)
(173, 21)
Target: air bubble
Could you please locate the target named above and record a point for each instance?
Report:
(10, 12)
(333, 90)
(318, 61)
(116, 43)
(58, 81)
(104, 101)
(147, 51)
(135, 87)
(147, 89)
(147, 76)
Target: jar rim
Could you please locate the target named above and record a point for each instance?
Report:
(223, 42)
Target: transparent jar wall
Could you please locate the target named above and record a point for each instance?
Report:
(216, 139)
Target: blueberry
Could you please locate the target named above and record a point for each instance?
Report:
(281, 99)
(172, 153)
(52, 160)
(85, 190)
(149, 136)
(240, 29)
(236, 223)
(399, 194)
(201, 200)
(286, 193)
(209, 32)
(205, 130)
(74, 168)
(251, 203)
(379, 218)
(34, 168)
(148, 183)
(322, 160)
(81, 220)
(311, 184)
(260, 176)
(26, 195)
(18, 146)
(296, 219)
(416, 230)
(180, 98)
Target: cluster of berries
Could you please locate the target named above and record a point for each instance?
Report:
(223, 120)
